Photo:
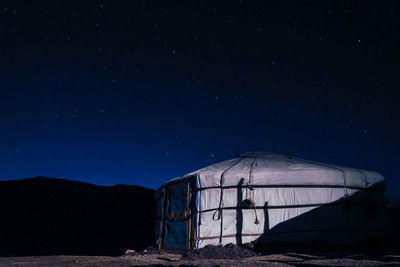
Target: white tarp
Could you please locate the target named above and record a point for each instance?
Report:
(273, 189)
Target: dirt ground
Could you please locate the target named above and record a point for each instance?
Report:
(179, 259)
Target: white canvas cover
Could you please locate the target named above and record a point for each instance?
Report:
(254, 194)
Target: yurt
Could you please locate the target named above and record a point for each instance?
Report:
(269, 197)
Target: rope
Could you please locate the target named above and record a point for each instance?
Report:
(346, 194)
(218, 212)
(255, 210)
(250, 186)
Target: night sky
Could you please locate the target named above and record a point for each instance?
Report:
(139, 92)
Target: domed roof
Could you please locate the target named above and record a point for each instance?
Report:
(274, 169)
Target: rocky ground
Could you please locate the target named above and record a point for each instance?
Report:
(229, 255)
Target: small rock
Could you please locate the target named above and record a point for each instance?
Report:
(129, 251)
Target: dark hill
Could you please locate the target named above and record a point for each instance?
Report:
(45, 216)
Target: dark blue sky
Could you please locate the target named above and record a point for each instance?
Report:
(138, 92)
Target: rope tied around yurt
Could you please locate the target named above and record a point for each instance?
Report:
(253, 205)
(219, 210)
(345, 186)
(251, 194)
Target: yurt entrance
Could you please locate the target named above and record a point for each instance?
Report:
(177, 227)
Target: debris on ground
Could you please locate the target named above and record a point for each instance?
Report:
(229, 251)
